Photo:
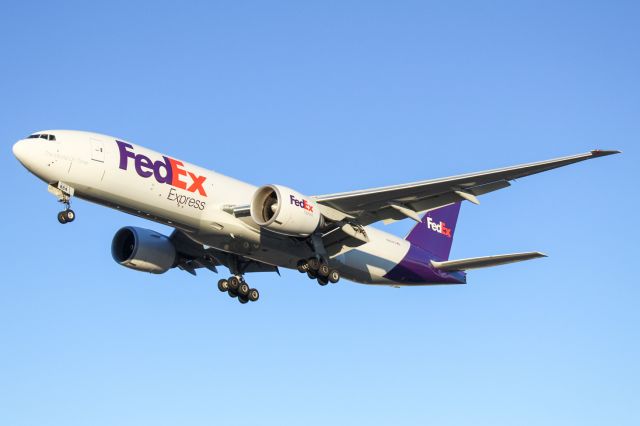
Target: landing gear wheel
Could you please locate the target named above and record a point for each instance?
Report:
(323, 281)
(243, 299)
(234, 283)
(323, 270)
(70, 215)
(303, 266)
(253, 295)
(313, 263)
(62, 218)
(232, 293)
(243, 290)
(223, 285)
(312, 275)
(334, 276)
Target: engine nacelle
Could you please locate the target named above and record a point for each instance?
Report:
(143, 250)
(283, 210)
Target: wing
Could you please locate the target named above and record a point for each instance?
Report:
(398, 202)
(192, 256)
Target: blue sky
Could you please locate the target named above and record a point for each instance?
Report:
(327, 97)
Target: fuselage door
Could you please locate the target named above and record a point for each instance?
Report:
(97, 150)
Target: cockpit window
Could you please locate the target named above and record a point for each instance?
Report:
(42, 136)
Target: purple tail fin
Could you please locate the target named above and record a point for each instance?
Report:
(435, 232)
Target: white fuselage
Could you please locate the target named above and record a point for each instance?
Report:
(198, 201)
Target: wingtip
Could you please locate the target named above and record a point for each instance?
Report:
(540, 254)
(604, 152)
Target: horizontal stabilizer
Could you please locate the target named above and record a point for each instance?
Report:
(486, 261)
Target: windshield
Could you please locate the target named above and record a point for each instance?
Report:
(42, 136)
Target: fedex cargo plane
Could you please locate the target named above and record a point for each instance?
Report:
(221, 221)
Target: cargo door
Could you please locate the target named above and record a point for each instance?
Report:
(97, 150)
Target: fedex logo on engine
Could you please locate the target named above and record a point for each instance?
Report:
(440, 227)
(167, 171)
(304, 204)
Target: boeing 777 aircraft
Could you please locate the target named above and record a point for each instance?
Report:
(219, 220)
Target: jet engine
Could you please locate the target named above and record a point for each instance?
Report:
(285, 211)
(143, 250)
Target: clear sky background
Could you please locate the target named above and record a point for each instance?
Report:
(326, 97)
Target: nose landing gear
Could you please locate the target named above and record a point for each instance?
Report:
(66, 216)
(63, 193)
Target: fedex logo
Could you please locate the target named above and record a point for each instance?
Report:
(304, 204)
(168, 171)
(440, 227)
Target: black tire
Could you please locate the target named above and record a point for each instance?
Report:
(232, 293)
(254, 295)
(243, 299)
(334, 276)
(223, 285)
(313, 263)
(312, 275)
(323, 270)
(243, 289)
(234, 283)
(303, 266)
(323, 281)
(70, 215)
(62, 218)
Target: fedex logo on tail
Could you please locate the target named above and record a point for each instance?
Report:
(440, 227)
(304, 204)
(167, 170)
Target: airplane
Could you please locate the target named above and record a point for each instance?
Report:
(220, 221)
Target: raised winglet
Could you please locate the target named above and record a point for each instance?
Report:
(604, 152)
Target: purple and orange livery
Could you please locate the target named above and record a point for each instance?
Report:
(303, 204)
(430, 239)
(167, 170)
(435, 232)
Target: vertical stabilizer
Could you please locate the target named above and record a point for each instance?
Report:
(435, 232)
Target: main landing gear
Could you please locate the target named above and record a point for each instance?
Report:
(237, 287)
(319, 270)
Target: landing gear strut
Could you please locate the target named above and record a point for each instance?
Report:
(236, 286)
(63, 193)
(319, 269)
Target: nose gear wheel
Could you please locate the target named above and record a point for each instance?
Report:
(66, 216)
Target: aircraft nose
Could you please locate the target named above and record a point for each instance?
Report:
(20, 150)
(27, 152)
